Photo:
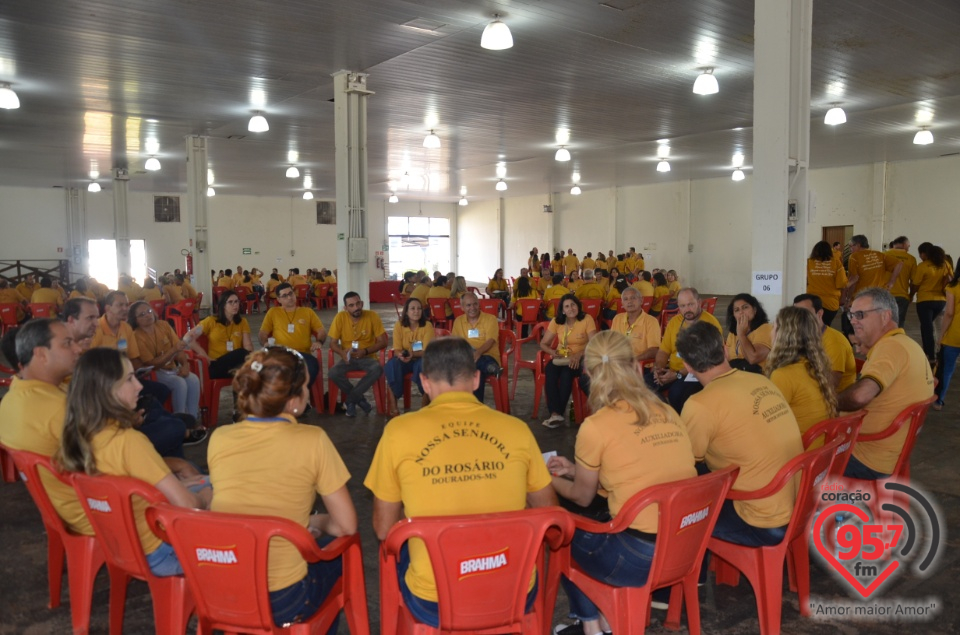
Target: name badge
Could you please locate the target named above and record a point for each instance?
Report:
(290, 328)
(473, 333)
(417, 346)
(229, 346)
(355, 345)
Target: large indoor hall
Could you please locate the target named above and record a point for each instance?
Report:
(729, 147)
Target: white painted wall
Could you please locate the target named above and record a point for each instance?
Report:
(655, 219)
(478, 233)
(923, 202)
(527, 226)
(33, 223)
(721, 235)
(586, 222)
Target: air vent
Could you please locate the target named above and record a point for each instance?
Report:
(430, 27)
(237, 137)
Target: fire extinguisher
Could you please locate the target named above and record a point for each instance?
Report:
(188, 265)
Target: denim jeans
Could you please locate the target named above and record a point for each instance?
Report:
(165, 431)
(678, 390)
(950, 354)
(300, 600)
(620, 559)
(732, 528)
(185, 391)
(902, 305)
(395, 370)
(371, 368)
(163, 562)
(928, 312)
(487, 366)
(856, 469)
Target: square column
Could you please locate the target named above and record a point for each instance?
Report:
(197, 216)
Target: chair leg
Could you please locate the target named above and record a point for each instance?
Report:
(172, 605)
(770, 597)
(797, 554)
(118, 599)
(55, 558)
(81, 572)
(538, 385)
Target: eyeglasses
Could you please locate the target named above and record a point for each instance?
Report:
(858, 315)
(233, 301)
(145, 313)
(287, 295)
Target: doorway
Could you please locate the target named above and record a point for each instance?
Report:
(839, 234)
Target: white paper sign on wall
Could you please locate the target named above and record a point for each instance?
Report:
(767, 283)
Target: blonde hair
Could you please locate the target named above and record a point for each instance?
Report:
(610, 363)
(799, 340)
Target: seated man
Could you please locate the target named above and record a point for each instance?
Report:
(403, 477)
(590, 289)
(9, 295)
(226, 281)
(838, 348)
(48, 294)
(641, 329)
(482, 332)
(294, 327)
(81, 317)
(441, 290)
(739, 418)
(28, 286)
(643, 284)
(129, 287)
(668, 368)
(356, 336)
(895, 376)
(555, 291)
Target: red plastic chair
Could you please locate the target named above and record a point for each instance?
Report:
(210, 388)
(181, 314)
(7, 467)
(614, 304)
(398, 302)
(846, 429)
(303, 295)
(477, 292)
(763, 566)
(8, 317)
(709, 305)
(536, 334)
(233, 597)
(323, 298)
(665, 316)
(493, 306)
(42, 310)
(84, 557)
(333, 391)
(247, 305)
(438, 312)
(217, 292)
(531, 310)
(647, 303)
(159, 307)
(555, 303)
(540, 384)
(501, 385)
(677, 556)
(112, 517)
(455, 307)
(592, 307)
(493, 601)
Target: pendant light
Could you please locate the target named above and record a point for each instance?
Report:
(501, 185)
(94, 187)
(706, 83)
(835, 116)
(293, 172)
(393, 198)
(8, 98)
(258, 123)
(562, 154)
(308, 195)
(431, 141)
(923, 137)
(496, 36)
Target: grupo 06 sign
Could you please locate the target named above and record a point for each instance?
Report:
(767, 282)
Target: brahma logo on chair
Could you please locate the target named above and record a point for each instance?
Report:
(217, 555)
(695, 517)
(98, 505)
(484, 564)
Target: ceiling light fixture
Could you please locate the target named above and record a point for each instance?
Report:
(663, 166)
(463, 190)
(496, 36)
(501, 185)
(293, 172)
(308, 195)
(431, 141)
(8, 98)
(258, 123)
(835, 116)
(737, 160)
(575, 190)
(923, 137)
(575, 177)
(501, 170)
(152, 164)
(562, 154)
(93, 187)
(308, 182)
(706, 83)
(393, 198)
(463, 201)
(210, 176)
(211, 191)
(738, 175)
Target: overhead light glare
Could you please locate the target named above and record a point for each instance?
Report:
(308, 195)
(211, 191)
(496, 36)
(706, 83)
(924, 116)
(8, 98)
(501, 185)
(463, 190)
(575, 177)
(738, 175)
(663, 151)
(293, 172)
(293, 156)
(923, 137)
(563, 136)
(501, 170)
(835, 116)
(431, 141)
(258, 123)
(151, 145)
(738, 160)
(308, 182)
(152, 164)
(575, 190)
(393, 198)
(405, 180)
(562, 154)
(93, 187)
(463, 201)
(663, 166)
(209, 176)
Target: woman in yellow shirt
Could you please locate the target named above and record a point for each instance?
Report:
(523, 291)
(800, 368)
(950, 341)
(497, 288)
(411, 335)
(228, 338)
(458, 288)
(929, 281)
(661, 294)
(826, 279)
(749, 334)
(80, 290)
(571, 330)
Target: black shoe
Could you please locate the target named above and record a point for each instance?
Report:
(365, 405)
(195, 436)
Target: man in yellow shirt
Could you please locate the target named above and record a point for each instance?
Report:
(186, 289)
(837, 347)
(740, 418)
(9, 295)
(588, 262)
(422, 289)
(556, 290)
(590, 289)
(226, 281)
(668, 369)
(482, 332)
(570, 263)
(80, 316)
(28, 286)
(129, 287)
(895, 375)
(866, 268)
(643, 284)
(900, 249)
(641, 329)
(356, 336)
(48, 293)
(413, 473)
(294, 327)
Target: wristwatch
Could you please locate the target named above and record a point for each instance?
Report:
(679, 375)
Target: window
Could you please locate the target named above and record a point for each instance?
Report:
(418, 242)
(326, 212)
(166, 209)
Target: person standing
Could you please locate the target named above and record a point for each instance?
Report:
(929, 281)
(900, 249)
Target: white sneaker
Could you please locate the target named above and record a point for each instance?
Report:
(553, 421)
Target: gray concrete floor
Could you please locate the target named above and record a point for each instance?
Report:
(23, 581)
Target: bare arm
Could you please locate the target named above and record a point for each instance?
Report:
(385, 516)
(650, 353)
(341, 516)
(545, 497)
(858, 395)
(948, 314)
(247, 342)
(662, 359)
(546, 344)
(582, 489)
(171, 487)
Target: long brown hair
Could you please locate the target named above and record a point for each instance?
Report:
(609, 361)
(92, 406)
(268, 380)
(799, 340)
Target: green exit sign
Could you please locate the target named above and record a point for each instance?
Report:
(247, 251)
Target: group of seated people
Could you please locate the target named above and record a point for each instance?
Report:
(252, 281)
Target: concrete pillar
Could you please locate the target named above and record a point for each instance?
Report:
(121, 230)
(77, 231)
(196, 206)
(353, 251)
(781, 149)
(875, 232)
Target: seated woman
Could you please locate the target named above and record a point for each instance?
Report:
(81, 290)
(572, 329)
(632, 442)
(523, 291)
(458, 288)
(749, 334)
(613, 294)
(228, 338)
(497, 288)
(150, 291)
(661, 294)
(800, 368)
(411, 335)
(161, 348)
(272, 285)
(100, 437)
(407, 285)
(269, 464)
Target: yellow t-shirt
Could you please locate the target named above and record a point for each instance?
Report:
(802, 393)
(840, 352)
(570, 264)
(76, 294)
(108, 338)
(645, 288)
(900, 368)
(661, 295)
(226, 282)
(46, 295)
(486, 328)
(292, 328)
(420, 292)
(274, 467)
(588, 263)
(826, 279)
(674, 288)
(557, 266)
(405, 336)
(128, 452)
(174, 292)
(157, 344)
(440, 293)
(951, 337)
(590, 290)
(364, 332)
(760, 336)
(929, 280)
(133, 291)
(31, 419)
(643, 333)
(26, 290)
(12, 296)
(872, 267)
(455, 456)
(271, 286)
(631, 457)
(901, 287)
(741, 418)
(572, 338)
(219, 334)
(556, 291)
(496, 285)
(602, 264)
(188, 291)
(149, 295)
(669, 342)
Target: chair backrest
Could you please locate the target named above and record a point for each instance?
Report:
(616, 305)
(225, 561)
(592, 306)
(491, 306)
(455, 307)
(323, 290)
(915, 415)
(646, 303)
(157, 306)
(302, 290)
(556, 305)
(441, 332)
(108, 502)
(530, 307)
(477, 292)
(8, 314)
(185, 306)
(42, 309)
(438, 308)
(813, 466)
(709, 305)
(845, 428)
(482, 563)
(29, 465)
(665, 316)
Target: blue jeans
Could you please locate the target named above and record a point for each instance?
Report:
(856, 469)
(732, 528)
(928, 312)
(184, 390)
(950, 354)
(678, 391)
(622, 559)
(163, 562)
(559, 385)
(396, 368)
(300, 600)
(353, 394)
(487, 366)
(165, 431)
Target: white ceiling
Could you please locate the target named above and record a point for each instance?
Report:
(96, 78)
